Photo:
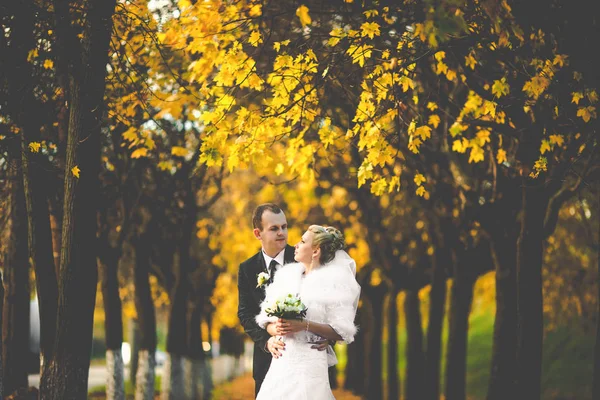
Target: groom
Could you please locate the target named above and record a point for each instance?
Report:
(270, 227)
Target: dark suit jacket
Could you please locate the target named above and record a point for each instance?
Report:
(250, 298)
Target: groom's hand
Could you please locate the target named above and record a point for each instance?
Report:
(320, 345)
(275, 346)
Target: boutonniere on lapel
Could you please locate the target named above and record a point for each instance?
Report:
(262, 279)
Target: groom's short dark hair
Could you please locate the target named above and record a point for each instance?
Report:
(258, 213)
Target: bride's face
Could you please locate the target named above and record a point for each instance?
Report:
(304, 249)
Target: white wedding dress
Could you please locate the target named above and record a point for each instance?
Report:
(331, 295)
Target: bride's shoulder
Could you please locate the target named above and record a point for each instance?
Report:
(334, 274)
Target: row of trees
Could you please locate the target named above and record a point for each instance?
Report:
(350, 99)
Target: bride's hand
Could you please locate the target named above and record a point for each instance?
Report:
(291, 325)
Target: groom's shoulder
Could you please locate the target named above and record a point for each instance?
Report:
(250, 261)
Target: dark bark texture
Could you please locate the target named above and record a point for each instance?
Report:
(415, 361)
(86, 71)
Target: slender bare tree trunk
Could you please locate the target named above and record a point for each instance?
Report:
(529, 291)
(415, 362)
(504, 351)
(596, 382)
(1, 307)
(393, 383)
(193, 366)
(147, 320)
(24, 110)
(15, 329)
(173, 377)
(113, 324)
(460, 308)
(437, 304)
(376, 296)
(86, 71)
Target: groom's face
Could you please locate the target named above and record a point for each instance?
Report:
(274, 233)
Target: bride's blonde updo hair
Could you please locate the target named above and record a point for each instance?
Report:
(329, 240)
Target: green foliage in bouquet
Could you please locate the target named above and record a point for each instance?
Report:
(288, 307)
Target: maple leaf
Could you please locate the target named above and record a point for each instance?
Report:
(576, 97)
(476, 154)
(302, 13)
(460, 145)
(370, 29)
(179, 151)
(470, 61)
(587, 113)
(434, 120)
(557, 140)
(138, 153)
(255, 38)
(500, 88)
(423, 131)
(256, 10)
(545, 146)
(501, 156)
(432, 106)
(75, 171)
(419, 179)
(379, 186)
(421, 191)
(34, 147)
(483, 137)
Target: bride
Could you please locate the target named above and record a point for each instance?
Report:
(324, 279)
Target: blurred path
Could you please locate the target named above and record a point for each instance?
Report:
(224, 368)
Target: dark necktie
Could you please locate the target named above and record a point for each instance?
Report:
(272, 269)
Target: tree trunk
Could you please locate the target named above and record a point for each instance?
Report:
(355, 378)
(24, 110)
(415, 362)
(193, 366)
(461, 298)
(146, 319)
(376, 296)
(1, 307)
(15, 329)
(173, 378)
(68, 372)
(134, 340)
(113, 324)
(529, 291)
(437, 302)
(504, 351)
(393, 387)
(115, 375)
(596, 382)
(144, 388)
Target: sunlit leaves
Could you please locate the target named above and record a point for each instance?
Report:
(576, 97)
(500, 88)
(434, 120)
(586, 113)
(255, 38)
(302, 14)
(359, 53)
(540, 165)
(34, 147)
(139, 153)
(76, 171)
(370, 29)
(501, 156)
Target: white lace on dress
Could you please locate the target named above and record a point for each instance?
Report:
(331, 296)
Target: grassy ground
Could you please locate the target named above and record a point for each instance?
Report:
(567, 366)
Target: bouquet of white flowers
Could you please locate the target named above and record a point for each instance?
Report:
(287, 307)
